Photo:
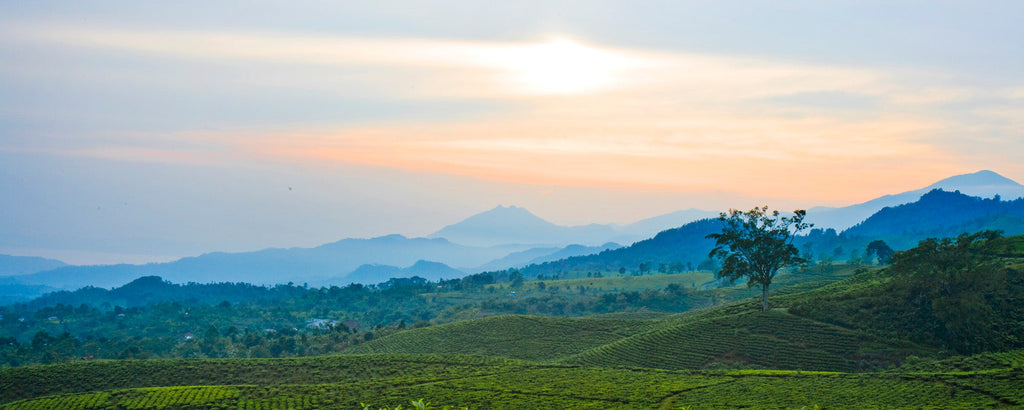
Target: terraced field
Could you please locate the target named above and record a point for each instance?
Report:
(343, 382)
(513, 336)
(773, 340)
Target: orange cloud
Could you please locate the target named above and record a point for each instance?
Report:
(624, 118)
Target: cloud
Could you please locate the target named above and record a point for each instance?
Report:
(604, 117)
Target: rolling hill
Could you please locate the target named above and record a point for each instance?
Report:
(533, 338)
(866, 322)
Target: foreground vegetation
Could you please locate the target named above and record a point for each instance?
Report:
(483, 382)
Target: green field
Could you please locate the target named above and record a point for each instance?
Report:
(536, 338)
(482, 383)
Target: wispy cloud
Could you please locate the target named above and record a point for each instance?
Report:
(583, 114)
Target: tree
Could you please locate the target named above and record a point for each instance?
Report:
(757, 244)
(517, 279)
(881, 250)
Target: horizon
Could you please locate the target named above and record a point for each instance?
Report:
(146, 132)
(432, 234)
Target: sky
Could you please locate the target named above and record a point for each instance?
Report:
(144, 131)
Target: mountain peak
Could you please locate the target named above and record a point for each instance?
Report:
(505, 225)
(512, 221)
(508, 210)
(983, 184)
(980, 179)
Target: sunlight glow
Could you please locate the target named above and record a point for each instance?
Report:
(563, 67)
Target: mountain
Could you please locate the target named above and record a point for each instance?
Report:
(984, 184)
(575, 250)
(937, 213)
(272, 266)
(23, 265)
(940, 214)
(371, 274)
(649, 227)
(517, 259)
(504, 225)
(687, 245)
(515, 225)
(541, 255)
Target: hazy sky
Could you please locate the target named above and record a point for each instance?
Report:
(142, 130)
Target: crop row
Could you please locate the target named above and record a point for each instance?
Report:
(568, 387)
(774, 341)
(521, 337)
(26, 382)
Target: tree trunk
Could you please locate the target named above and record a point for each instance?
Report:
(764, 297)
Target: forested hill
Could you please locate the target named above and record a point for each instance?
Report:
(153, 289)
(687, 245)
(940, 214)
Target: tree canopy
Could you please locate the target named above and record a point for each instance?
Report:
(878, 248)
(756, 244)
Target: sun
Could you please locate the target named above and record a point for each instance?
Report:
(563, 67)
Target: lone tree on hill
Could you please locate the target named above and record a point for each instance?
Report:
(757, 244)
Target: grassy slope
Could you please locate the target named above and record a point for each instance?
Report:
(514, 336)
(735, 335)
(748, 338)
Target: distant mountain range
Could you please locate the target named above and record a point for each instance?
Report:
(936, 214)
(686, 244)
(366, 261)
(515, 225)
(535, 256)
(269, 266)
(940, 214)
(507, 237)
(23, 265)
(984, 184)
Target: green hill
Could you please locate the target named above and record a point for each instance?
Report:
(747, 339)
(964, 295)
(534, 338)
(867, 322)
